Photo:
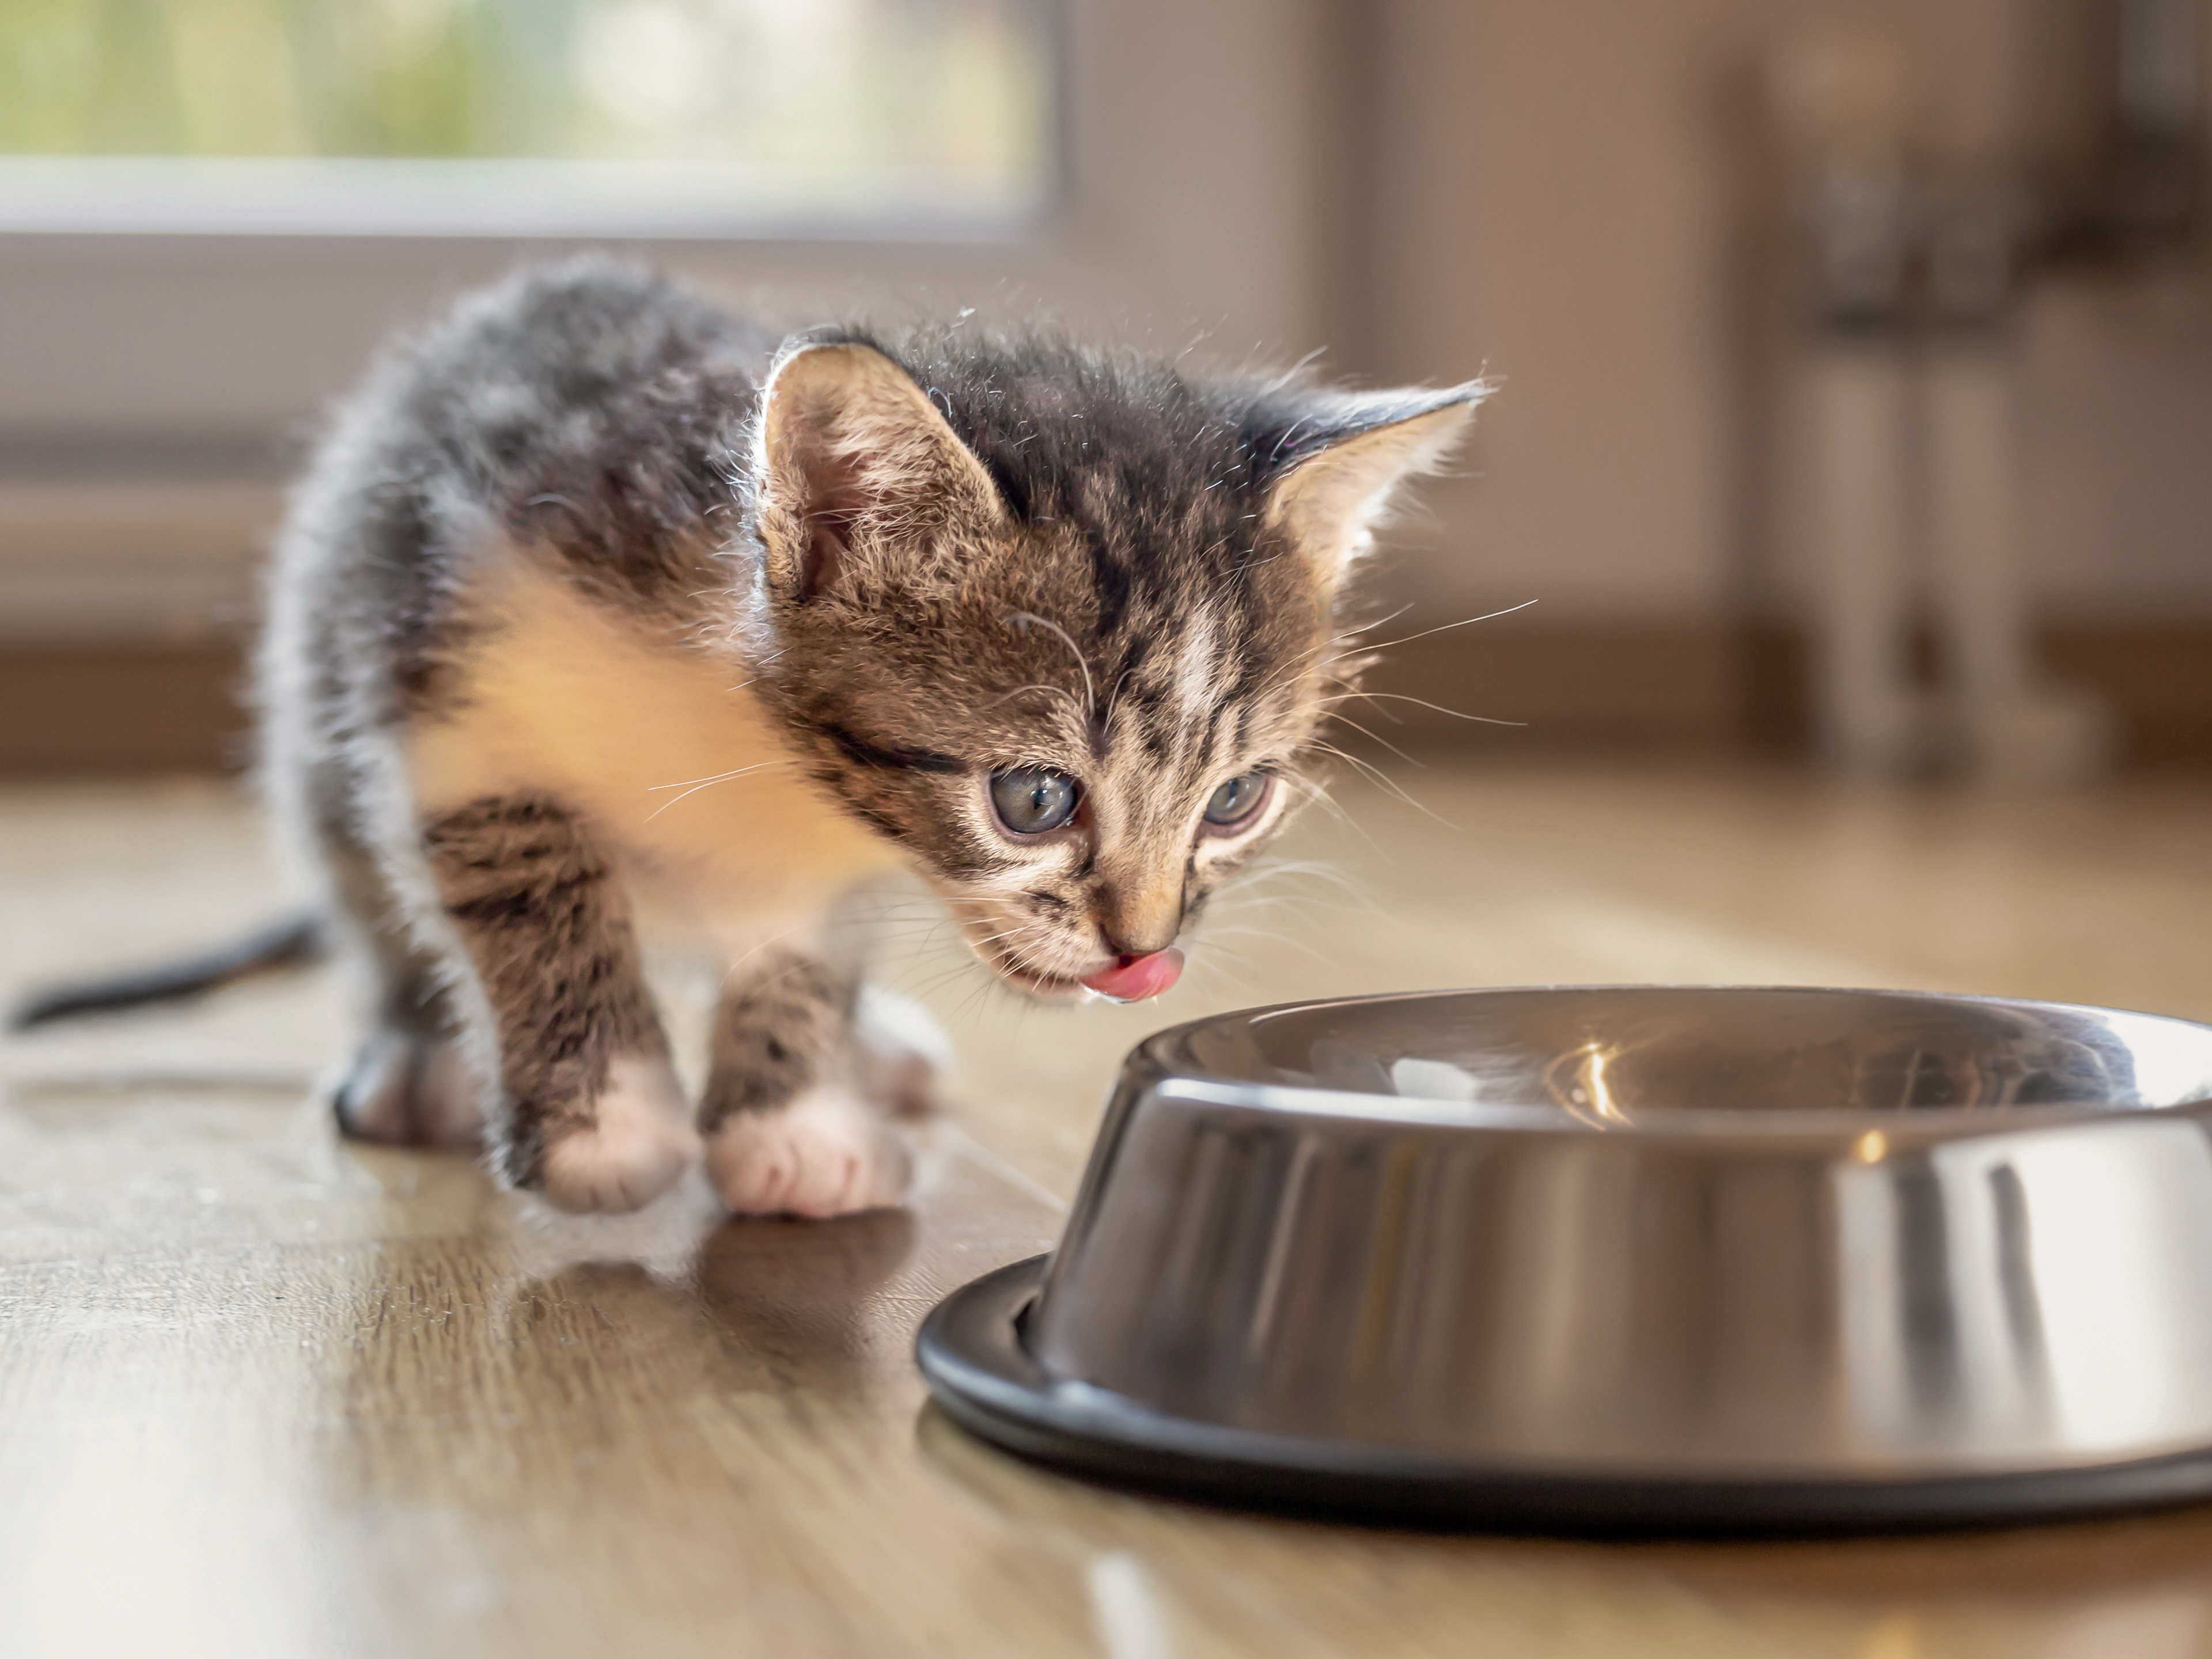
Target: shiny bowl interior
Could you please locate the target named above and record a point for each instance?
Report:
(1635, 1055)
(1659, 1237)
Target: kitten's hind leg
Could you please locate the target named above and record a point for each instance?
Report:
(407, 1083)
(407, 1088)
(588, 1108)
(810, 1072)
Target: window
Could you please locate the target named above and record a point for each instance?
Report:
(525, 116)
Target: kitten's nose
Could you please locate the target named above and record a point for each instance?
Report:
(1135, 921)
(1135, 978)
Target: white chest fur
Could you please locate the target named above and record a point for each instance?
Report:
(564, 698)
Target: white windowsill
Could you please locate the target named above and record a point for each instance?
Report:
(675, 200)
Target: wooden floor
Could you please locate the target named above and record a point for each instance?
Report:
(264, 1392)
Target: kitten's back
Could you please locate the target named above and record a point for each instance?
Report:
(586, 406)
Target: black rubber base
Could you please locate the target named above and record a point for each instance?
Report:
(971, 1351)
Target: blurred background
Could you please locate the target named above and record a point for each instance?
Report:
(1854, 355)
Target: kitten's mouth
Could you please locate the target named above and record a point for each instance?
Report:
(1137, 978)
(1128, 979)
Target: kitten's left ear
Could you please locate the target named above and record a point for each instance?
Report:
(1346, 459)
(860, 477)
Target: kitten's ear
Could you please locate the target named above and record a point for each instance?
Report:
(859, 475)
(1342, 462)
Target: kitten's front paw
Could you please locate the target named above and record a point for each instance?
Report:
(639, 1140)
(406, 1089)
(825, 1154)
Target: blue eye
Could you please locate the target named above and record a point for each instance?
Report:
(1032, 800)
(1237, 800)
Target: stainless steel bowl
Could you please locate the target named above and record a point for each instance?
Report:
(1647, 1257)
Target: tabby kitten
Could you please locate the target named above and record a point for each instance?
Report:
(601, 608)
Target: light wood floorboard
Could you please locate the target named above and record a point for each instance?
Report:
(262, 1392)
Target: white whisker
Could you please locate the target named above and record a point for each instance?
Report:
(1382, 780)
(1026, 619)
(707, 783)
(716, 777)
(1464, 622)
(1346, 720)
(1457, 714)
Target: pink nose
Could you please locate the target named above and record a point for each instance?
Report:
(1133, 979)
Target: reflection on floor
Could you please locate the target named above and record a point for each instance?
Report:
(264, 1392)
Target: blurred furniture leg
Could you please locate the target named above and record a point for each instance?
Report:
(1858, 397)
(1845, 97)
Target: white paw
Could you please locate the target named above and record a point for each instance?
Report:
(409, 1091)
(824, 1154)
(638, 1142)
(899, 1054)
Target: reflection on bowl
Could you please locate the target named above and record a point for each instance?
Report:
(1634, 1256)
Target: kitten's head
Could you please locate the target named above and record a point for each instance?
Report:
(1065, 626)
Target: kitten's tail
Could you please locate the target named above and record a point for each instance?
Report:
(290, 941)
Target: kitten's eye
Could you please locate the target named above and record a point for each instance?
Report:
(1237, 800)
(1033, 800)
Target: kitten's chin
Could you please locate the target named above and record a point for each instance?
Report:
(1035, 982)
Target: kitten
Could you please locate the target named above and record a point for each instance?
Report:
(599, 606)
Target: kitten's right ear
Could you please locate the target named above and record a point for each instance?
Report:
(859, 476)
(1344, 456)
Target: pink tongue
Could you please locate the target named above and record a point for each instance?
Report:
(1139, 978)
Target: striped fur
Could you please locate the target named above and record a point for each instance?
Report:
(591, 533)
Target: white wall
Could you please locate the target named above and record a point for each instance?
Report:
(2116, 393)
(1551, 218)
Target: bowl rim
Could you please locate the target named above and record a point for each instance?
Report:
(976, 1362)
(1173, 1076)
